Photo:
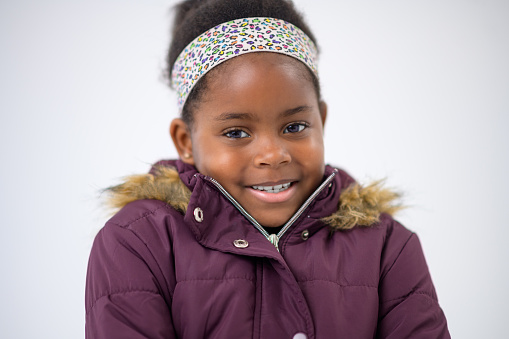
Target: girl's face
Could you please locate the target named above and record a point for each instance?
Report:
(258, 131)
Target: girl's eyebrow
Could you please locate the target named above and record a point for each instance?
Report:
(295, 110)
(233, 116)
(248, 116)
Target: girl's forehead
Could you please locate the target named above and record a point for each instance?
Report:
(254, 62)
(268, 84)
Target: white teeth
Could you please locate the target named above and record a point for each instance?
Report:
(273, 189)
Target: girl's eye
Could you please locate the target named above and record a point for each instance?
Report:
(236, 134)
(295, 128)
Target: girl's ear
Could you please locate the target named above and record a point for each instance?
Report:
(322, 106)
(181, 136)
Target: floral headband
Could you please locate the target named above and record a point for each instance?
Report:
(234, 38)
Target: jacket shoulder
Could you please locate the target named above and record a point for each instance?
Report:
(139, 212)
(130, 252)
(407, 296)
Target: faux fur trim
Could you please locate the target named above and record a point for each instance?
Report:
(165, 185)
(362, 206)
(358, 205)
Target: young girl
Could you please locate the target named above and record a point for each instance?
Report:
(250, 234)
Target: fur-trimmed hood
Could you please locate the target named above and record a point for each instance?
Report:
(358, 205)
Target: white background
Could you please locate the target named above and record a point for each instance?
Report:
(418, 92)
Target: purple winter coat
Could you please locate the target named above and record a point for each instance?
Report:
(157, 272)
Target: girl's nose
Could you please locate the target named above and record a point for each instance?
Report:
(271, 153)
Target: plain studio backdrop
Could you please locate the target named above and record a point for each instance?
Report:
(418, 93)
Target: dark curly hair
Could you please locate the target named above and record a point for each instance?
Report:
(193, 17)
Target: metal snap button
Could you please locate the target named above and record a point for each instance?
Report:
(198, 214)
(300, 335)
(305, 235)
(240, 243)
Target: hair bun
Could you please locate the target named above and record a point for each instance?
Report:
(184, 9)
(193, 17)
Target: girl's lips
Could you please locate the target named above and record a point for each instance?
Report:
(269, 197)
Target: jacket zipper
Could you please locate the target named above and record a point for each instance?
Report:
(273, 238)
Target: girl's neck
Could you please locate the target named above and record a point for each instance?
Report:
(273, 230)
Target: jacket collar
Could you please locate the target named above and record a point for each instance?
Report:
(342, 206)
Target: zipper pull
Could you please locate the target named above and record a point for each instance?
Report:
(274, 240)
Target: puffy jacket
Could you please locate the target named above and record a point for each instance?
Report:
(180, 261)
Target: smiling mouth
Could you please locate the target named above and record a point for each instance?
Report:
(273, 189)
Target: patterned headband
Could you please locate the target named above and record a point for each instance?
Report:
(234, 38)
